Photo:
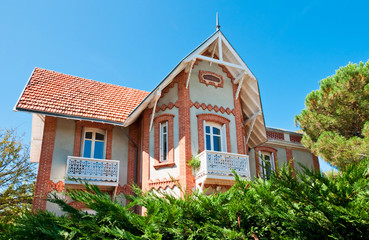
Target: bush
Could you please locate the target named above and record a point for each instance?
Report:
(310, 205)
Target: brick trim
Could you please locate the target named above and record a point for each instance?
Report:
(133, 134)
(157, 120)
(79, 131)
(275, 135)
(209, 82)
(316, 162)
(184, 121)
(44, 169)
(239, 122)
(210, 107)
(164, 106)
(59, 186)
(125, 189)
(212, 118)
(162, 183)
(265, 149)
(77, 205)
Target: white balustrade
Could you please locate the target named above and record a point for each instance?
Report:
(220, 164)
(94, 170)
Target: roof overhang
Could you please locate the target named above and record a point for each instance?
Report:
(248, 88)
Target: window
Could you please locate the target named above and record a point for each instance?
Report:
(163, 126)
(266, 162)
(93, 143)
(214, 137)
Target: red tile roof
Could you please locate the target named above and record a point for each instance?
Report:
(65, 95)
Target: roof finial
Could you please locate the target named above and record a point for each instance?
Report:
(218, 26)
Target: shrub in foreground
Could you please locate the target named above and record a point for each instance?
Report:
(307, 206)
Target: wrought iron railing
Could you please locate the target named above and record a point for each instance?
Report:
(222, 163)
(96, 170)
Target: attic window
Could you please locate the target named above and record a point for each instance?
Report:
(210, 78)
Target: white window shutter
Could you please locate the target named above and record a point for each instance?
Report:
(224, 139)
(261, 164)
(272, 163)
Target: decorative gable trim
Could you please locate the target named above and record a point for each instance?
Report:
(210, 78)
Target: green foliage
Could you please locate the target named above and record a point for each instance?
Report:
(308, 206)
(194, 163)
(17, 175)
(335, 120)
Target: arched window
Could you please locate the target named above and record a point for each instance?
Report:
(214, 137)
(93, 143)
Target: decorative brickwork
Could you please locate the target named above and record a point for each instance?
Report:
(275, 135)
(163, 183)
(166, 89)
(239, 120)
(316, 163)
(79, 131)
(210, 78)
(77, 205)
(265, 149)
(59, 186)
(170, 160)
(126, 189)
(214, 186)
(225, 70)
(295, 138)
(184, 120)
(134, 136)
(211, 107)
(164, 106)
(216, 119)
(44, 170)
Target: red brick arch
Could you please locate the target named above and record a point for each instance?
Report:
(212, 118)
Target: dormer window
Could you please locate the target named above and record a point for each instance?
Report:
(210, 78)
(93, 143)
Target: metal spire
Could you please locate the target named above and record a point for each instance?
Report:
(217, 26)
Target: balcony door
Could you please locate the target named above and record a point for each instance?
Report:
(215, 138)
(94, 143)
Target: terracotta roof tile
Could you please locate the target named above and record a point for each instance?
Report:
(62, 94)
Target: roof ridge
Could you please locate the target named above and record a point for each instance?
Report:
(74, 76)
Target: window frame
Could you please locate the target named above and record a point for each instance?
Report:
(93, 140)
(221, 135)
(273, 159)
(209, 117)
(163, 154)
(158, 161)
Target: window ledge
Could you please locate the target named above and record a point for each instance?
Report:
(164, 164)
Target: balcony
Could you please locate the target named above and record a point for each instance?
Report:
(100, 172)
(216, 167)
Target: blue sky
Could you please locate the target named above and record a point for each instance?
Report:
(289, 45)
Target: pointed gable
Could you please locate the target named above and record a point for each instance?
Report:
(217, 49)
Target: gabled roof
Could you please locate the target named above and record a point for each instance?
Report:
(52, 93)
(218, 45)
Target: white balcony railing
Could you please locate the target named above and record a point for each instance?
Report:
(99, 171)
(220, 165)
